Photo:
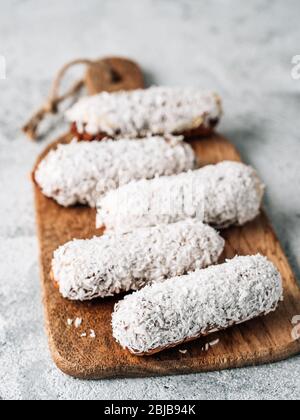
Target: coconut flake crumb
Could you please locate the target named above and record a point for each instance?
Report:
(188, 307)
(214, 343)
(209, 345)
(158, 110)
(229, 193)
(83, 335)
(78, 322)
(183, 351)
(81, 172)
(70, 322)
(110, 264)
(92, 334)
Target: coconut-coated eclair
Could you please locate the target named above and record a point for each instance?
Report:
(144, 112)
(229, 193)
(189, 307)
(81, 172)
(110, 264)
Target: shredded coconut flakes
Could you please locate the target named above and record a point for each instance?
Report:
(139, 113)
(78, 322)
(110, 264)
(187, 307)
(225, 194)
(81, 172)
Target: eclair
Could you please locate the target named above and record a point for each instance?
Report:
(229, 193)
(107, 265)
(145, 112)
(81, 172)
(185, 308)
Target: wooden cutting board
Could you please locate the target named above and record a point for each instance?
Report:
(263, 340)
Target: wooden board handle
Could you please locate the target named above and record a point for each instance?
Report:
(108, 74)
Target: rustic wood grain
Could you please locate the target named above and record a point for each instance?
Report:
(112, 74)
(260, 341)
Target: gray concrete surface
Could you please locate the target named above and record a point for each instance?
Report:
(243, 50)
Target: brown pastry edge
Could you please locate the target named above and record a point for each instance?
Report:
(200, 131)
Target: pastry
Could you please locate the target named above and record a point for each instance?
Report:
(221, 195)
(188, 307)
(111, 264)
(144, 112)
(81, 172)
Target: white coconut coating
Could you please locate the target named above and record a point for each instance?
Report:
(188, 307)
(229, 193)
(110, 264)
(81, 172)
(143, 112)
